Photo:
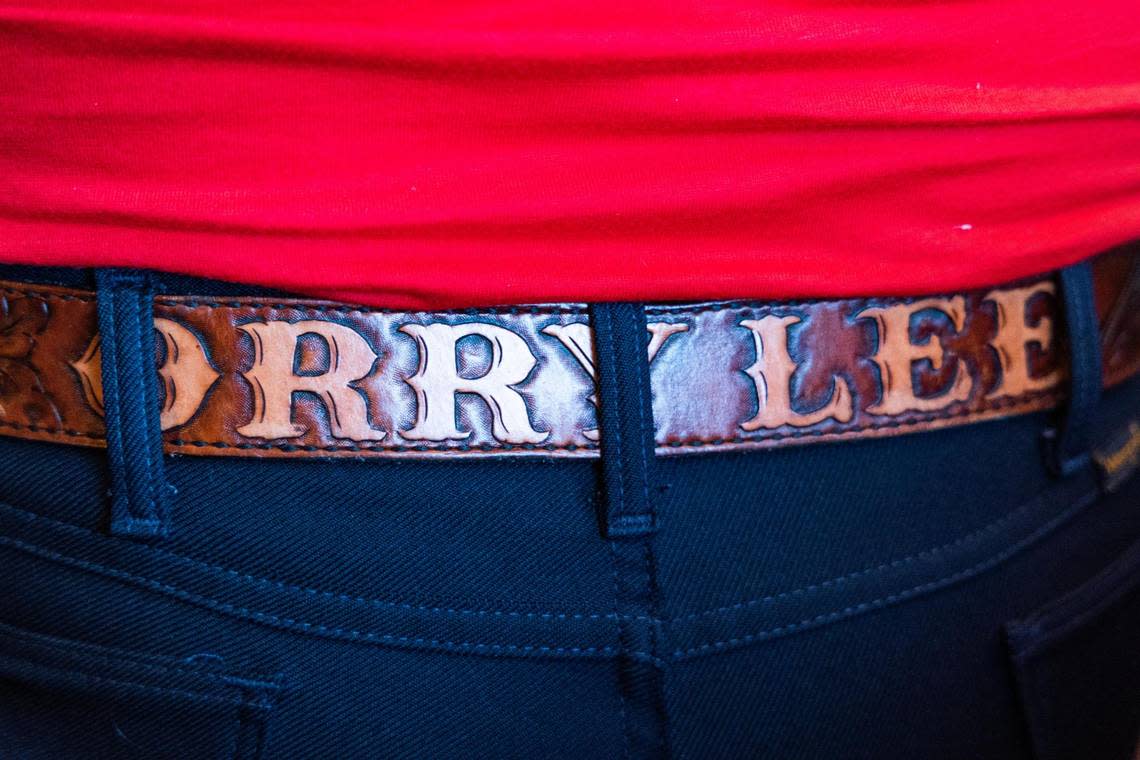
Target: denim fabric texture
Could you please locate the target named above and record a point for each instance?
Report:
(938, 595)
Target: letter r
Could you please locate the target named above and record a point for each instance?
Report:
(438, 380)
(274, 381)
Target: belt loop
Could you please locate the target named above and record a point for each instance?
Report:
(625, 417)
(131, 405)
(1068, 445)
(626, 436)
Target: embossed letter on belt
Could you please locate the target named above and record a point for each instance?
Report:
(301, 378)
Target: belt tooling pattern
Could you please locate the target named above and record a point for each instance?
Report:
(291, 377)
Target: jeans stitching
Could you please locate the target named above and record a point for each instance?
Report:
(149, 511)
(542, 615)
(111, 405)
(313, 591)
(121, 658)
(641, 374)
(604, 651)
(969, 538)
(300, 625)
(655, 635)
(890, 599)
(603, 328)
(193, 695)
(620, 633)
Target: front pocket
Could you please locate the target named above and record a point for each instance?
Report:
(64, 698)
(1077, 664)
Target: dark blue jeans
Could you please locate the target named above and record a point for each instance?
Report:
(937, 595)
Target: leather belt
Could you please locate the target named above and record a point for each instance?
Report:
(304, 378)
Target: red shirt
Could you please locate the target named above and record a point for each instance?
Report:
(437, 154)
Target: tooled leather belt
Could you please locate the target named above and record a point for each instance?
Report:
(303, 378)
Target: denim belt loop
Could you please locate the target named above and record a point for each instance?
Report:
(1068, 444)
(628, 519)
(625, 418)
(139, 507)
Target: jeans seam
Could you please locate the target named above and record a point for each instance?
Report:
(282, 585)
(124, 661)
(891, 599)
(964, 540)
(605, 651)
(620, 341)
(185, 693)
(969, 538)
(620, 636)
(313, 629)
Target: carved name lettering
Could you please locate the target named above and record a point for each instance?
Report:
(437, 381)
(186, 373)
(772, 374)
(897, 354)
(1015, 335)
(578, 339)
(273, 379)
(306, 378)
